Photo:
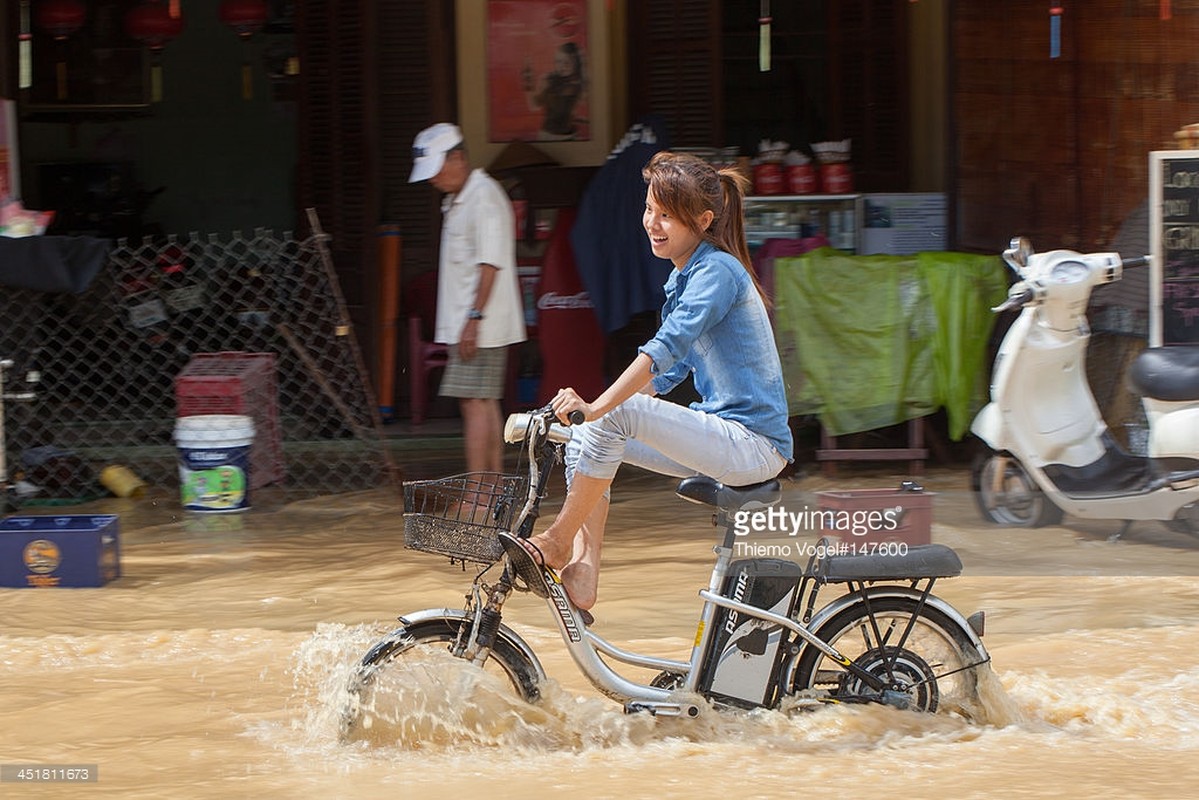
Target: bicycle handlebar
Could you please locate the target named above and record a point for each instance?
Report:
(575, 417)
(543, 448)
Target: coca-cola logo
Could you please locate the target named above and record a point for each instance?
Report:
(553, 300)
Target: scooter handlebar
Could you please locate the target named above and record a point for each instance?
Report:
(1015, 301)
(1142, 261)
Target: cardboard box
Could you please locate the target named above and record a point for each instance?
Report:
(877, 515)
(59, 550)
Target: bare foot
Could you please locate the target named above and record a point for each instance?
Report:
(581, 583)
(549, 552)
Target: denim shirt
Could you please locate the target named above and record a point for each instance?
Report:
(715, 325)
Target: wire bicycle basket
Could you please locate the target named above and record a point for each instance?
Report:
(459, 516)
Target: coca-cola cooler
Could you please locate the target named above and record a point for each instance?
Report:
(569, 337)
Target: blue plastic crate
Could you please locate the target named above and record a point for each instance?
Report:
(59, 550)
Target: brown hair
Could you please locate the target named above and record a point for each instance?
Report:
(686, 186)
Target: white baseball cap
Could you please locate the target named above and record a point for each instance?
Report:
(429, 149)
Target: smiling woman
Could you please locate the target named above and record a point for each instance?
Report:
(714, 330)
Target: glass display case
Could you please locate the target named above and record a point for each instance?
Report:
(836, 216)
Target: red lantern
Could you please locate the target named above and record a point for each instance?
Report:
(245, 17)
(60, 18)
(152, 24)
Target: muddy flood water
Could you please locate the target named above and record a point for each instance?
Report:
(216, 666)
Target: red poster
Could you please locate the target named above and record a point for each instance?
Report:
(537, 61)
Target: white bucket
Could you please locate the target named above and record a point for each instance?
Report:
(214, 461)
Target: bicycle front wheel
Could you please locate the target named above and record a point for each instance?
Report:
(427, 647)
(933, 666)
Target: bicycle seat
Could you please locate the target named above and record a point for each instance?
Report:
(710, 492)
(921, 561)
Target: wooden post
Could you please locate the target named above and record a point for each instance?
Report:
(389, 312)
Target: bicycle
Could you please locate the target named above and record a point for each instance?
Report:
(761, 639)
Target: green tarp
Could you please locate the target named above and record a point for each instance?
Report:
(872, 341)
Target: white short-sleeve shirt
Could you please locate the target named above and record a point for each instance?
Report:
(478, 228)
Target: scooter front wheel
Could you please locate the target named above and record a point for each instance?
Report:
(1186, 520)
(1007, 495)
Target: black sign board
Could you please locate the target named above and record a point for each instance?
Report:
(1174, 187)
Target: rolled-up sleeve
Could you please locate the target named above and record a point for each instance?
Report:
(494, 242)
(671, 378)
(708, 294)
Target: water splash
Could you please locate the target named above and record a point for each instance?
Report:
(432, 702)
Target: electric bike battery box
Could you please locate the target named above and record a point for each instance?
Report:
(743, 659)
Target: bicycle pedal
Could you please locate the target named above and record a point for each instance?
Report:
(523, 565)
(659, 709)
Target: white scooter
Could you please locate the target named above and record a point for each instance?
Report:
(1048, 449)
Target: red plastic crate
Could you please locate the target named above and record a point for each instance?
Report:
(243, 384)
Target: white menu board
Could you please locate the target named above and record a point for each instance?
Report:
(902, 224)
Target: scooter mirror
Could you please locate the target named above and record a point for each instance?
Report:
(1018, 252)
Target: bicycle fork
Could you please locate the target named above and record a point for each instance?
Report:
(476, 640)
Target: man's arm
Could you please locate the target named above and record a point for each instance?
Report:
(468, 341)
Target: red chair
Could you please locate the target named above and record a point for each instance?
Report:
(424, 356)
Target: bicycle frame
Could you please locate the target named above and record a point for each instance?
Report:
(588, 649)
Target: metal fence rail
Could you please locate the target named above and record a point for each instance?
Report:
(108, 362)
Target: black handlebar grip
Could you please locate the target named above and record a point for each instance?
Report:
(1143, 261)
(576, 417)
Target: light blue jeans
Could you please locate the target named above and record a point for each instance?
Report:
(670, 439)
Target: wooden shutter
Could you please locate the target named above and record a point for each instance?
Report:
(1015, 174)
(9, 29)
(373, 74)
(417, 88)
(336, 172)
(674, 69)
(1056, 148)
(868, 96)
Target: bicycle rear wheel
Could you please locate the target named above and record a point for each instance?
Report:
(933, 665)
(431, 641)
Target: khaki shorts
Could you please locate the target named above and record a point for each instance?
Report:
(482, 376)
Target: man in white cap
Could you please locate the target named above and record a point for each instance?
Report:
(479, 309)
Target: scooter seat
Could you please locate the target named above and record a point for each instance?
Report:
(1166, 373)
(710, 492)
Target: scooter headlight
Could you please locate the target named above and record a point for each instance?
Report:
(1069, 272)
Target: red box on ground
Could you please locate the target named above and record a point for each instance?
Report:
(243, 384)
(877, 515)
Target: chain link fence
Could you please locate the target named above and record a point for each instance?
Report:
(253, 325)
